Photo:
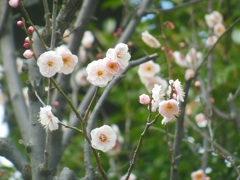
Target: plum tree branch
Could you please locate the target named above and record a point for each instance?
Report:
(13, 80)
(10, 152)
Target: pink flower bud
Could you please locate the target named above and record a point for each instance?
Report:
(99, 55)
(55, 103)
(144, 99)
(182, 45)
(26, 45)
(28, 54)
(170, 25)
(30, 30)
(197, 84)
(163, 48)
(14, 3)
(20, 23)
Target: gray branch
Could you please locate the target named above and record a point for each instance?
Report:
(67, 174)
(13, 80)
(129, 30)
(10, 152)
(100, 102)
(179, 131)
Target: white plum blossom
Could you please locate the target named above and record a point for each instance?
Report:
(150, 40)
(69, 60)
(112, 67)
(148, 69)
(211, 40)
(131, 177)
(219, 29)
(213, 18)
(103, 138)
(192, 59)
(120, 54)
(169, 109)
(157, 95)
(201, 120)
(49, 63)
(189, 73)
(149, 82)
(81, 77)
(176, 89)
(199, 175)
(97, 73)
(47, 119)
(88, 39)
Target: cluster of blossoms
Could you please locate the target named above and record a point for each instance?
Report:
(199, 175)
(191, 61)
(59, 61)
(28, 40)
(101, 71)
(165, 101)
(214, 21)
(148, 75)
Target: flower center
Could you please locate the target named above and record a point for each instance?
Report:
(100, 73)
(169, 106)
(50, 63)
(149, 68)
(103, 138)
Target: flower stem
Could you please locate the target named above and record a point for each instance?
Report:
(84, 129)
(134, 157)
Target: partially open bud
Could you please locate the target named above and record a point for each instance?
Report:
(28, 54)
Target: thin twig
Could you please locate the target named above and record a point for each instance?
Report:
(54, 15)
(140, 141)
(46, 16)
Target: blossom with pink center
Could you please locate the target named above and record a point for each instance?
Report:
(28, 54)
(157, 95)
(69, 60)
(201, 120)
(112, 66)
(47, 119)
(148, 69)
(150, 40)
(81, 77)
(169, 109)
(199, 175)
(176, 90)
(49, 63)
(219, 29)
(88, 39)
(144, 99)
(14, 3)
(120, 54)
(103, 138)
(97, 73)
